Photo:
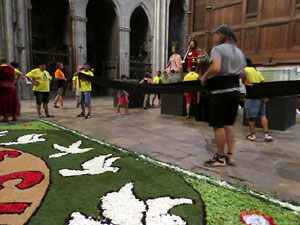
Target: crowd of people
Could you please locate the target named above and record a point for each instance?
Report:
(227, 66)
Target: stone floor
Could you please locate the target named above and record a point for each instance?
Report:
(273, 167)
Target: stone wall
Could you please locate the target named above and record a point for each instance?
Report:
(15, 28)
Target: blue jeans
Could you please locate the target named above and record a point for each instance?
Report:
(85, 98)
(255, 108)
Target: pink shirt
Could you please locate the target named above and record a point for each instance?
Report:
(174, 64)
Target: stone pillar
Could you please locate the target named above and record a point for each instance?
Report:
(160, 46)
(8, 28)
(124, 50)
(2, 39)
(22, 33)
(79, 39)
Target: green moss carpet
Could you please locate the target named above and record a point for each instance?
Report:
(99, 183)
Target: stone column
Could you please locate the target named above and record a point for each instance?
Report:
(8, 28)
(124, 50)
(160, 46)
(22, 33)
(2, 40)
(79, 39)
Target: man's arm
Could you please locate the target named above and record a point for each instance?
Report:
(35, 83)
(18, 76)
(213, 70)
(243, 76)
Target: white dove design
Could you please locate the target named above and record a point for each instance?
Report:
(158, 211)
(26, 139)
(3, 133)
(95, 166)
(72, 149)
(123, 208)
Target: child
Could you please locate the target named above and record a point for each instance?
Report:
(123, 98)
(76, 86)
(146, 81)
(191, 97)
(61, 79)
(158, 79)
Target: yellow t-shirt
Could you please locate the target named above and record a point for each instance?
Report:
(43, 77)
(17, 71)
(156, 80)
(77, 81)
(85, 85)
(191, 76)
(253, 76)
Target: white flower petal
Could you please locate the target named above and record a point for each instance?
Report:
(26, 139)
(79, 219)
(122, 207)
(72, 149)
(95, 166)
(158, 211)
(255, 220)
(3, 133)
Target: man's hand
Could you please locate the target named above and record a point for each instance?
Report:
(35, 83)
(247, 83)
(203, 80)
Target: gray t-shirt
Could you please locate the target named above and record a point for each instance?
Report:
(232, 59)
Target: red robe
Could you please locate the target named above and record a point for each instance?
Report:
(8, 95)
(190, 56)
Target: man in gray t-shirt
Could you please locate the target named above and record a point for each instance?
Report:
(232, 64)
(232, 59)
(227, 63)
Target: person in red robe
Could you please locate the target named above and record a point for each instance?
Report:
(192, 55)
(8, 95)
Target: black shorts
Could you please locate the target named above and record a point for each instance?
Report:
(223, 109)
(41, 97)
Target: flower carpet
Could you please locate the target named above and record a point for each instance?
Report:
(50, 175)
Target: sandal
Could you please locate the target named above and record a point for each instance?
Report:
(251, 137)
(216, 161)
(49, 116)
(81, 115)
(229, 159)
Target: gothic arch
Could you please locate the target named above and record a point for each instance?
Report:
(185, 7)
(146, 10)
(177, 22)
(115, 4)
(103, 39)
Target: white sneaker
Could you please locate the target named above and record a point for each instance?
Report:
(268, 138)
(297, 111)
(251, 137)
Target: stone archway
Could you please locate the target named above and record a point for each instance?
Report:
(140, 44)
(103, 40)
(177, 25)
(51, 34)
